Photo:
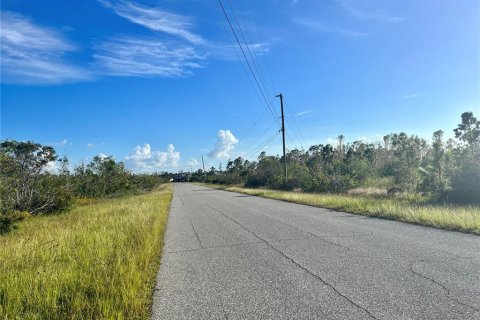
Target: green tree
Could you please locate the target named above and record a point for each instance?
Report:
(466, 174)
(24, 172)
(407, 155)
(469, 130)
(435, 180)
(25, 183)
(103, 176)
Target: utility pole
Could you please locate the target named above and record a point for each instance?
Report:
(204, 173)
(283, 137)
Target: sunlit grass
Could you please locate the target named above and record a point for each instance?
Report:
(98, 261)
(414, 209)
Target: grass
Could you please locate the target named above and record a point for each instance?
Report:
(407, 209)
(98, 261)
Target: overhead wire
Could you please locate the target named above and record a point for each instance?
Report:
(267, 129)
(251, 83)
(261, 89)
(263, 145)
(248, 62)
(296, 127)
(262, 45)
(298, 139)
(253, 86)
(252, 126)
(253, 56)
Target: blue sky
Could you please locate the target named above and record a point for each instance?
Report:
(157, 84)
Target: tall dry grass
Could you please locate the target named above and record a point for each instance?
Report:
(408, 209)
(98, 261)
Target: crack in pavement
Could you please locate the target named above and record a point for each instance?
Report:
(232, 245)
(225, 315)
(350, 215)
(181, 200)
(344, 237)
(297, 264)
(448, 291)
(294, 227)
(216, 247)
(196, 234)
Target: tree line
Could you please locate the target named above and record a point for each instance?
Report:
(29, 187)
(447, 171)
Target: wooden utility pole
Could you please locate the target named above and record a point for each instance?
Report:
(283, 137)
(204, 173)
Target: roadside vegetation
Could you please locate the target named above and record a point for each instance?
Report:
(34, 181)
(97, 261)
(416, 210)
(404, 177)
(81, 243)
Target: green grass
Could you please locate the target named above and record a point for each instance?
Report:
(413, 209)
(98, 261)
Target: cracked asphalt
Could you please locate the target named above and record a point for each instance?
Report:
(234, 256)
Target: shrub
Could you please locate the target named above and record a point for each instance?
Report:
(465, 186)
(26, 185)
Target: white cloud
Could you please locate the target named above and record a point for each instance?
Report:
(412, 96)
(52, 167)
(144, 159)
(302, 113)
(133, 56)
(102, 155)
(368, 12)
(370, 139)
(229, 51)
(62, 143)
(31, 54)
(332, 141)
(155, 19)
(364, 139)
(92, 145)
(224, 146)
(193, 162)
(320, 27)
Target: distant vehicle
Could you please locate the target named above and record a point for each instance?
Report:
(181, 177)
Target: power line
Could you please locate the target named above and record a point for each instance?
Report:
(263, 145)
(297, 140)
(261, 135)
(263, 47)
(255, 89)
(256, 70)
(297, 127)
(248, 62)
(253, 59)
(252, 126)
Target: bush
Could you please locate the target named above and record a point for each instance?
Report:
(254, 181)
(26, 185)
(465, 186)
(7, 220)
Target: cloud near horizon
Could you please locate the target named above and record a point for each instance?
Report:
(224, 146)
(144, 159)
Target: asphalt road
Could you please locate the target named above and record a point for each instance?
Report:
(234, 256)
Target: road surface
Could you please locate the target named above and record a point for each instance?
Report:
(234, 256)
